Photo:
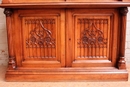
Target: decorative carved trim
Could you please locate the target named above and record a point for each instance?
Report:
(90, 21)
(37, 21)
(8, 12)
(40, 38)
(122, 63)
(12, 62)
(124, 11)
(92, 36)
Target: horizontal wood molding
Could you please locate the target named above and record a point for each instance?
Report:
(68, 75)
(67, 5)
(35, 1)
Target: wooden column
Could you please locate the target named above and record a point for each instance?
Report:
(122, 62)
(8, 13)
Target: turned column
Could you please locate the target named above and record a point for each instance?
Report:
(8, 13)
(122, 62)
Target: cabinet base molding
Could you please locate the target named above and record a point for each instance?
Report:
(69, 74)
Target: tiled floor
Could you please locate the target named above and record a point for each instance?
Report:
(61, 84)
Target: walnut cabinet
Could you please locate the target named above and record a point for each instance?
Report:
(65, 40)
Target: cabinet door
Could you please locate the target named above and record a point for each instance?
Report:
(40, 38)
(92, 37)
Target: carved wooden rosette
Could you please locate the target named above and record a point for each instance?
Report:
(122, 62)
(8, 12)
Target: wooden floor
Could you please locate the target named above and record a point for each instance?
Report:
(61, 84)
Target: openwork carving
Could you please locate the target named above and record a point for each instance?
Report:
(92, 36)
(40, 37)
(12, 62)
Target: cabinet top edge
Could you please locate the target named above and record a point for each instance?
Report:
(67, 5)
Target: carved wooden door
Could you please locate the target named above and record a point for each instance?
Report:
(40, 37)
(91, 38)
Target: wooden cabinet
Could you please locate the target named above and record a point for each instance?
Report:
(66, 40)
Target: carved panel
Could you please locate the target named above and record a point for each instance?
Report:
(40, 37)
(92, 35)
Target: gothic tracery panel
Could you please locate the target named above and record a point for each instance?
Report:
(40, 37)
(92, 36)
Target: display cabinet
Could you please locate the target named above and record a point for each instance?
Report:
(66, 40)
